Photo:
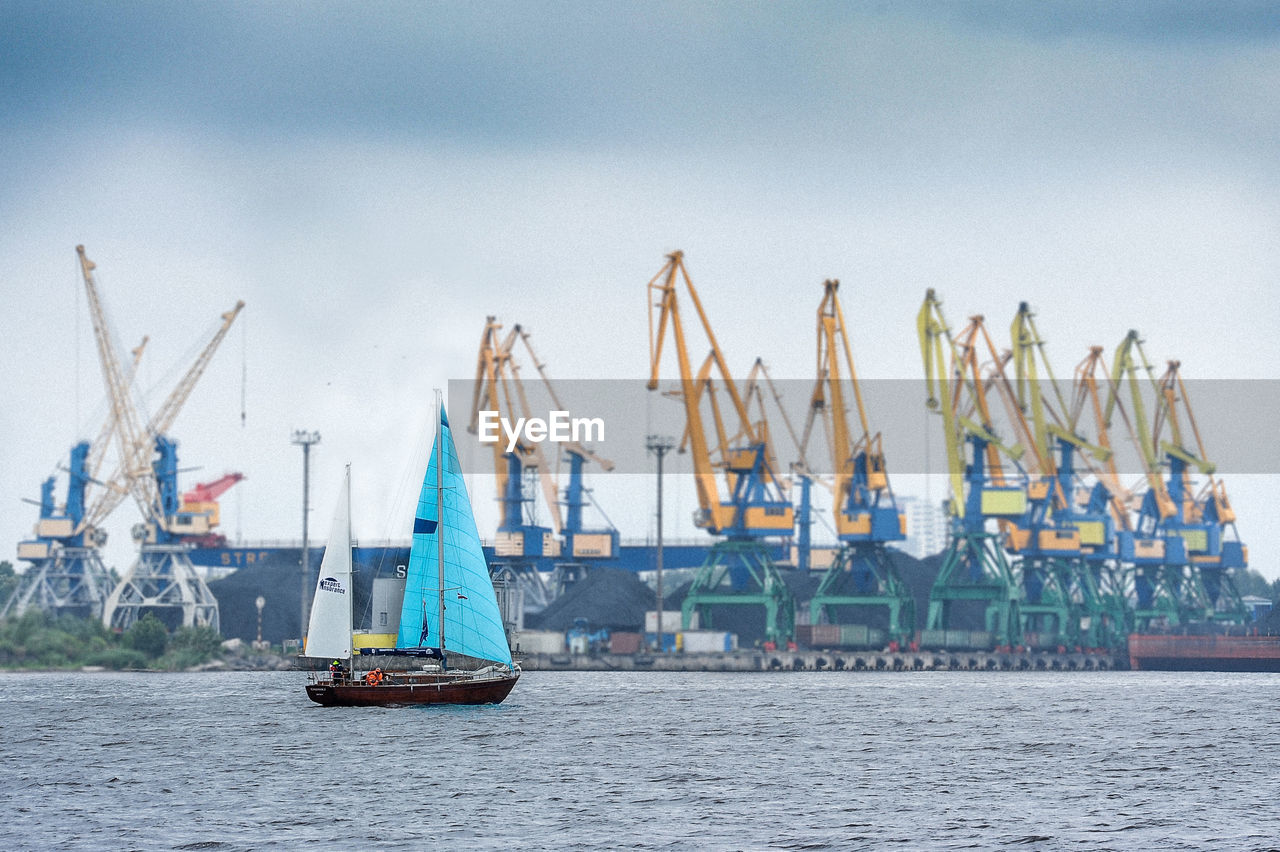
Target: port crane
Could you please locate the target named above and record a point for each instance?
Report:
(162, 577)
(498, 388)
(1064, 548)
(739, 569)
(866, 514)
(974, 570)
(754, 393)
(1101, 516)
(1163, 579)
(567, 546)
(67, 574)
(1204, 520)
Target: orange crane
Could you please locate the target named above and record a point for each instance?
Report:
(739, 569)
(499, 392)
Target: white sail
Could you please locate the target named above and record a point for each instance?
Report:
(329, 633)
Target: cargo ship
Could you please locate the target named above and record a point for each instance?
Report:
(1209, 653)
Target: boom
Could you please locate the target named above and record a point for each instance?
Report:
(756, 506)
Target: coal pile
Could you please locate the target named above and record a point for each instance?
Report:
(607, 597)
(237, 613)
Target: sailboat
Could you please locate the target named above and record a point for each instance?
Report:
(450, 608)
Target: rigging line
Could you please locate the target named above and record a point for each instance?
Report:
(244, 367)
(75, 295)
(592, 499)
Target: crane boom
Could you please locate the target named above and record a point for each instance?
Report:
(756, 506)
(133, 473)
(1087, 394)
(1129, 361)
(98, 446)
(131, 437)
(858, 463)
(669, 314)
(500, 388)
(168, 411)
(933, 330)
(207, 491)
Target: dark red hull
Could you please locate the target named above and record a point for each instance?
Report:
(1158, 652)
(401, 689)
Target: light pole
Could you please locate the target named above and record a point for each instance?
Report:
(659, 445)
(260, 602)
(305, 439)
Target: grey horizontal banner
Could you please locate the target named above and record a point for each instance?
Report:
(1230, 424)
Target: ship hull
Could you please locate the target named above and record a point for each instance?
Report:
(1150, 652)
(401, 688)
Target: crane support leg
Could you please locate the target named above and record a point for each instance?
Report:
(974, 569)
(1048, 617)
(164, 581)
(72, 581)
(865, 576)
(741, 573)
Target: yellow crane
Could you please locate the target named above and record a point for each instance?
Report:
(975, 571)
(1158, 560)
(866, 514)
(1204, 520)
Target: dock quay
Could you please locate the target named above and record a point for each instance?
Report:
(862, 661)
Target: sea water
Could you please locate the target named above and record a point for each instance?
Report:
(603, 760)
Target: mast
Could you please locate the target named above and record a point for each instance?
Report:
(440, 515)
(351, 583)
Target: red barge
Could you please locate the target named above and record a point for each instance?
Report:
(1211, 653)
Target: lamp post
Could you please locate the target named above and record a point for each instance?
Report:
(659, 445)
(260, 602)
(305, 439)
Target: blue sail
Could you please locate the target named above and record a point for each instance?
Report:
(472, 621)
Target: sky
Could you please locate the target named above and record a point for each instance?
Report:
(375, 179)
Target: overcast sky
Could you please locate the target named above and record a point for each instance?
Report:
(373, 179)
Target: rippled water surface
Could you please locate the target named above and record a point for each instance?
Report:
(936, 760)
